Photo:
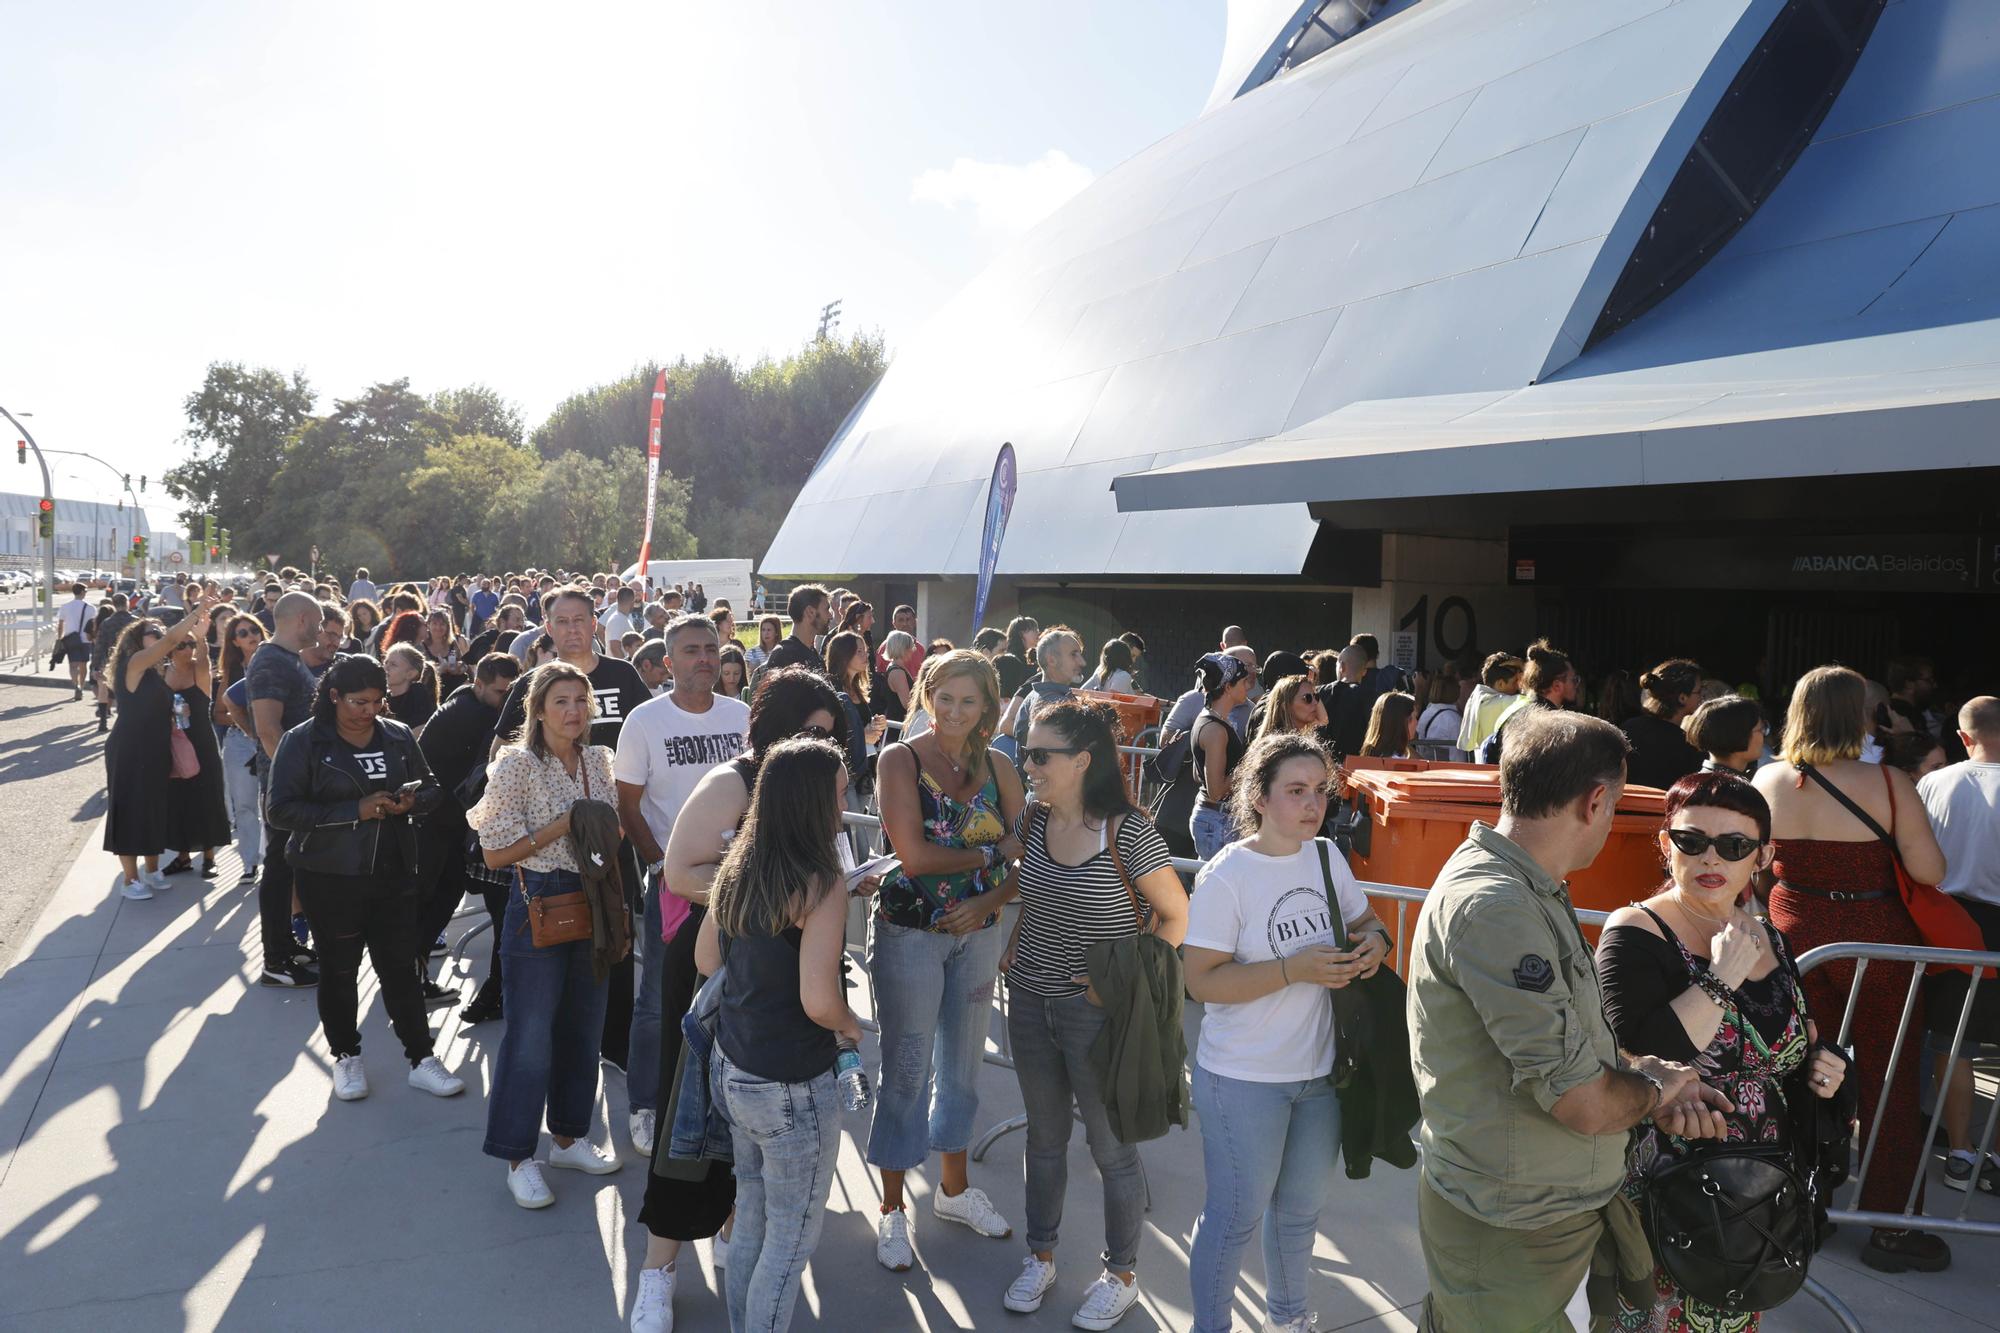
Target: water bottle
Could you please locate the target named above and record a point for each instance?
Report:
(853, 1079)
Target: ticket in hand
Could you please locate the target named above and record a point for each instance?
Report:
(881, 867)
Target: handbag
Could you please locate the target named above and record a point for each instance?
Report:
(557, 918)
(187, 764)
(554, 918)
(1731, 1223)
(1941, 919)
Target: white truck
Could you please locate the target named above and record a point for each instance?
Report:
(721, 580)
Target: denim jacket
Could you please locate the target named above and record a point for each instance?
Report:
(700, 1132)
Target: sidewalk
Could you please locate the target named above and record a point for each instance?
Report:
(171, 1157)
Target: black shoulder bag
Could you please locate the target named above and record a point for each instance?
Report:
(1733, 1223)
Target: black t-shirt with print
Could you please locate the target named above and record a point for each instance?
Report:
(614, 681)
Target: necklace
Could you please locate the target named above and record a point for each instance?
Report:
(1680, 901)
(957, 769)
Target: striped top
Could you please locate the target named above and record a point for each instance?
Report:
(1065, 909)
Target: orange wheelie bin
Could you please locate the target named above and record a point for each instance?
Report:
(1410, 815)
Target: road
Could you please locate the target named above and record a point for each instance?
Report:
(51, 798)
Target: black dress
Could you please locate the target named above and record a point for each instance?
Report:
(137, 768)
(198, 807)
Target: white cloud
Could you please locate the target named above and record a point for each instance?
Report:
(1003, 195)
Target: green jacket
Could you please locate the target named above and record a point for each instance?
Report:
(1505, 1017)
(1140, 1058)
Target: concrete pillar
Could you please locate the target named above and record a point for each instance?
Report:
(1448, 594)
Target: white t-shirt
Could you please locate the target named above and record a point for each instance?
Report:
(1256, 908)
(73, 615)
(666, 750)
(1963, 801)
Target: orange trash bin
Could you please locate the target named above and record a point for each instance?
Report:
(1418, 812)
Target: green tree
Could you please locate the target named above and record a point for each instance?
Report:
(239, 423)
(574, 513)
(448, 497)
(478, 410)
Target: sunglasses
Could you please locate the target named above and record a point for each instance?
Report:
(1729, 846)
(249, 634)
(1038, 755)
(815, 732)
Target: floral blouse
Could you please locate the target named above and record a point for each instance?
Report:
(919, 901)
(525, 791)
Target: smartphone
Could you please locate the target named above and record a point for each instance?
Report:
(410, 788)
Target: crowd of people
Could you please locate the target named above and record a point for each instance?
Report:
(653, 813)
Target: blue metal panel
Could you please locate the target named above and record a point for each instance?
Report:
(1272, 262)
(1931, 55)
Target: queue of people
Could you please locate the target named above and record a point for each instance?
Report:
(653, 816)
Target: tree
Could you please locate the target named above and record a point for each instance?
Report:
(478, 410)
(573, 513)
(239, 423)
(449, 497)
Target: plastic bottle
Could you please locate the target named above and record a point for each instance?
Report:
(853, 1079)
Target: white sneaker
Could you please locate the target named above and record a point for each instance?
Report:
(525, 1183)
(1025, 1296)
(155, 880)
(971, 1209)
(892, 1242)
(432, 1077)
(136, 890)
(641, 1123)
(583, 1155)
(1105, 1303)
(1305, 1323)
(350, 1080)
(718, 1251)
(653, 1306)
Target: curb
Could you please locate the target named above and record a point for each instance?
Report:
(47, 681)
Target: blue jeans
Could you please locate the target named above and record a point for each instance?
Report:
(555, 1019)
(933, 1000)
(787, 1138)
(642, 1062)
(1268, 1150)
(1211, 831)
(246, 807)
(1051, 1040)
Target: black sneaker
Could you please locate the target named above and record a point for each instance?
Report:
(1897, 1251)
(435, 995)
(485, 1007)
(438, 946)
(290, 973)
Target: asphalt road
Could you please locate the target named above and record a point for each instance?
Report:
(51, 799)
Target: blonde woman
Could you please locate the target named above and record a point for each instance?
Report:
(948, 805)
(1292, 705)
(1837, 881)
(552, 998)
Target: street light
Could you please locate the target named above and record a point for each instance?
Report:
(45, 605)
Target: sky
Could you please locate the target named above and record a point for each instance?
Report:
(536, 198)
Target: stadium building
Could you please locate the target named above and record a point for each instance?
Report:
(1658, 326)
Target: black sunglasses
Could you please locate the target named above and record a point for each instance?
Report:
(816, 732)
(1729, 846)
(1039, 754)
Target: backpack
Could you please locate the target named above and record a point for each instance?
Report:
(1174, 745)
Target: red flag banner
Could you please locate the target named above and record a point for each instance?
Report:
(652, 470)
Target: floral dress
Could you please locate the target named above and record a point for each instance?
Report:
(918, 901)
(1761, 1041)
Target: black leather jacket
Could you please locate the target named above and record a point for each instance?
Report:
(316, 790)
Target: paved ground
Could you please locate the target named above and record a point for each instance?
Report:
(51, 798)
(171, 1157)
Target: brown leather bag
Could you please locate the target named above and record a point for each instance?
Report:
(555, 918)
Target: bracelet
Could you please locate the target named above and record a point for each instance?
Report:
(532, 845)
(1282, 973)
(1715, 989)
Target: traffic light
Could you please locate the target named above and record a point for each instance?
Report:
(208, 529)
(225, 543)
(48, 519)
(195, 544)
(21, 451)
(142, 487)
(214, 552)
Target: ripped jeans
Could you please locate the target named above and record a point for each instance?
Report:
(934, 1001)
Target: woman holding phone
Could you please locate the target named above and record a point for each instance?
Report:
(344, 786)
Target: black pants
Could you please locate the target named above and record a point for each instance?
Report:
(441, 884)
(274, 901)
(350, 913)
(677, 1209)
(496, 912)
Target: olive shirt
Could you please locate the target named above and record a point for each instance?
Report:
(1505, 1017)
